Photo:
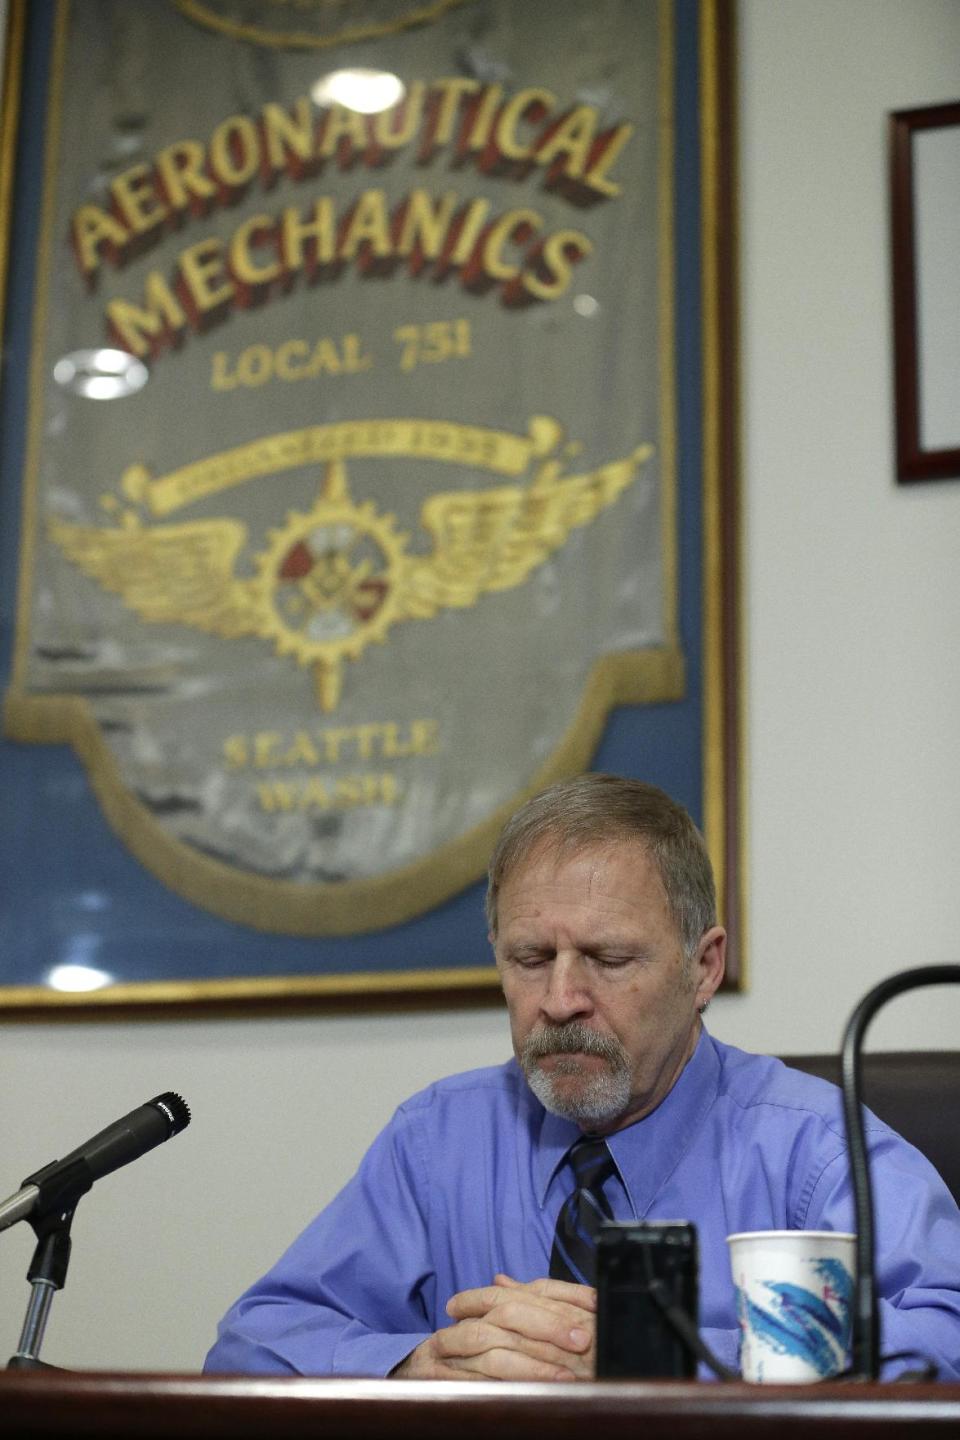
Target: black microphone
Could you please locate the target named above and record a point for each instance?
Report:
(59, 1185)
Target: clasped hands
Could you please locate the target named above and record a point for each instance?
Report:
(538, 1330)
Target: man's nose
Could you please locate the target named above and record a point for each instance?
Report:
(568, 992)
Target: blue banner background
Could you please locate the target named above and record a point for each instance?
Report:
(70, 892)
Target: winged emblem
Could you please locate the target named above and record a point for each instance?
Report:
(333, 580)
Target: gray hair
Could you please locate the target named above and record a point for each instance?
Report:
(597, 809)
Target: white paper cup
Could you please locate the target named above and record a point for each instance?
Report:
(794, 1302)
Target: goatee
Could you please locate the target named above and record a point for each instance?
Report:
(570, 1089)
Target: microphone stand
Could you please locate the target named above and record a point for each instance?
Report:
(51, 1218)
(47, 1274)
(865, 1336)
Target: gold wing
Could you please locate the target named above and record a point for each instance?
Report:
(487, 540)
(175, 574)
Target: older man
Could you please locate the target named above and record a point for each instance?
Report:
(452, 1254)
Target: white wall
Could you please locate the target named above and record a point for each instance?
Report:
(853, 751)
(853, 584)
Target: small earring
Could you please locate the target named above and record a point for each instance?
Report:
(701, 1009)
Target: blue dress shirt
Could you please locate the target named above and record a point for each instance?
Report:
(468, 1178)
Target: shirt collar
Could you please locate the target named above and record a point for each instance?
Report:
(647, 1152)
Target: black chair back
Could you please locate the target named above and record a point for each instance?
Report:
(917, 1093)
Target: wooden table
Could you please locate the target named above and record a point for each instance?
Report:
(189, 1407)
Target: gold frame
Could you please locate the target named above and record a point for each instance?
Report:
(612, 682)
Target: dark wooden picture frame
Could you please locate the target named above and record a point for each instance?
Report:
(916, 460)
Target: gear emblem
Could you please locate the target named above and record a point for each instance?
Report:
(327, 582)
(334, 579)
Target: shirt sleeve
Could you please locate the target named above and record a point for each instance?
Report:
(354, 1294)
(917, 1235)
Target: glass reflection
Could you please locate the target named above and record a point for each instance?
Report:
(75, 979)
(101, 374)
(367, 91)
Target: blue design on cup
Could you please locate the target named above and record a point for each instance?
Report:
(801, 1323)
(838, 1280)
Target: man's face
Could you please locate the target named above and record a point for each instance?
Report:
(603, 1009)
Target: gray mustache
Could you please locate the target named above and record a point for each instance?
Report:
(568, 1039)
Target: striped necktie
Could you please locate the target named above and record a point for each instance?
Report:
(573, 1256)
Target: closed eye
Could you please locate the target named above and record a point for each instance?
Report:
(610, 961)
(530, 959)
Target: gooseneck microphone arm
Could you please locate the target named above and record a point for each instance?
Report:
(865, 1337)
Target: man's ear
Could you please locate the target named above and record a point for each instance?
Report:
(710, 962)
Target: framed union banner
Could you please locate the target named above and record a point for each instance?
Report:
(368, 464)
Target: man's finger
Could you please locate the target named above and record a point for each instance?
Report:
(472, 1341)
(522, 1314)
(473, 1337)
(585, 1296)
(549, 1293)
(508, 1364)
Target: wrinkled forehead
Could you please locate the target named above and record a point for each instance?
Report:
(556, 847)
(542, 861)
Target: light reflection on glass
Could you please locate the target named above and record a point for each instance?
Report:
(75, 979)
(102, 374)
(93, 900)
(367, 91)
